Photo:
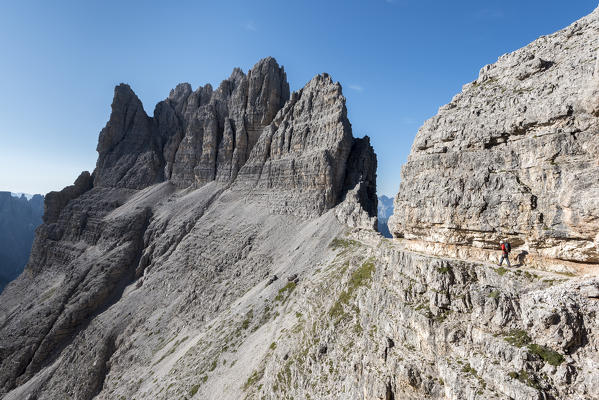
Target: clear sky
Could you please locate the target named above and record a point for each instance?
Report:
(397, 60)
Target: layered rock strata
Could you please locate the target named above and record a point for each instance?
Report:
(195, 137)
(201, 197)
(514, 155)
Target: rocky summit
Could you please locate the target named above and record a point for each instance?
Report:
(225, 248)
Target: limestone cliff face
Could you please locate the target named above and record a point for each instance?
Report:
(225, 249)
(514, 155)
(195, 137)
(186, 210)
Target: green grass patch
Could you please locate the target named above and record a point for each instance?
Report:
(285, 292)
(494, 294)
(501, 271)
(444, 270)
(548, 355)
(248, 319)
(255, 377)
(360, 277)
(339, 243)
(194, 389)
(518, 338)
(469, 370)
(525, 378)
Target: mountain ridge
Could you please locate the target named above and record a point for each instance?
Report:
(161, 276)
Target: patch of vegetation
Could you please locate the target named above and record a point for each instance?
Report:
(360, 277)
(525, 378)
(272, 346)
(285, 292)
(518, 338)
(468, 369)
(248, 319)
(501, 271)
(444, 270)
(339, 243)
(442, 315)
(548, 355)
(531, 276)
(494, 294)
(253, 378)
(194, 389)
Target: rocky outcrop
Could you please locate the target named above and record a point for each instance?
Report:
(224, 276)
(195, 137)
(19, 216)
(55, 202)
(201, 198)
(217, 130)
(298, 171)
(513, 155)
(380, 322)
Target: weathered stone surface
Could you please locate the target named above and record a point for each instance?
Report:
(195, 137)
(128, 148)
(185, 212)
(513, 155)
(171, 291)
(299, 164)
(55, 202)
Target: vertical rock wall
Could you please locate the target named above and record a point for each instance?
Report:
(514, 155)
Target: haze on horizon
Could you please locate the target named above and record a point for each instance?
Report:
(397, 60)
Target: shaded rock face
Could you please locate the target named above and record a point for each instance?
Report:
(514, 155)
(19, 217)
(186, 211)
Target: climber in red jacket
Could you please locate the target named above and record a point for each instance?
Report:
(505, 251)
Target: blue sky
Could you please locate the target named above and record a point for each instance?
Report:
(397, 60)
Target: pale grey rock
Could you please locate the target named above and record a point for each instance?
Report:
(513, 155)
(218, 129)
(138, 289)
(294, 167)
(185, 212)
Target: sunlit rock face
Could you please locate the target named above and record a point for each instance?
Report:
(514, 155)
(185, 212)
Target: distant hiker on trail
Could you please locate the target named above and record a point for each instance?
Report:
(505, 251)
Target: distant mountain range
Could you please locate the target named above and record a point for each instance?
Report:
(385, 210)
(20, 215)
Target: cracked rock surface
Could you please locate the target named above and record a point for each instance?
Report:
(514, 155)
(185, 212)
(225, 248)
